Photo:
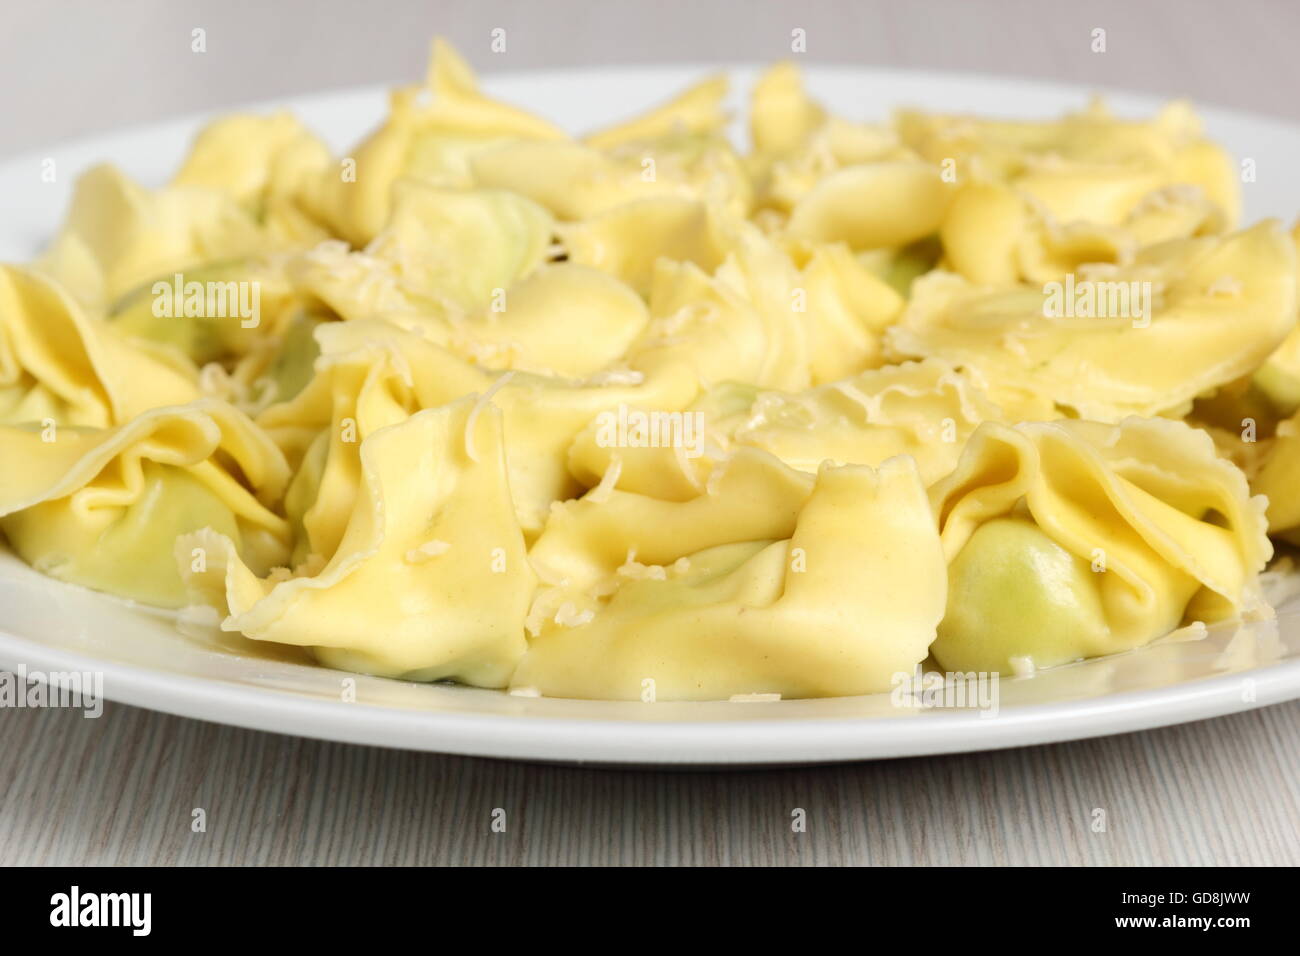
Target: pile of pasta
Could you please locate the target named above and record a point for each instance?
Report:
(903, 458)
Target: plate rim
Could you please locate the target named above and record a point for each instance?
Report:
(618, 741)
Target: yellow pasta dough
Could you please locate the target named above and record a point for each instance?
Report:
(577, 182)
(265, 163)
(797, 144)
(926, 410)
(119, 236)
(740, 323)
(60, 365)
(373, 374)
(839, 604)
(1087, 166)
(1075, 539)
(696, 110)
(648, 414)
(433, 142)
(1185, 317)
(848, 308)
(1278, 479)
(104, 507)
(427, 580)
(994, 234)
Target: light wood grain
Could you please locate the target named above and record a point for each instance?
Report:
(121, 790)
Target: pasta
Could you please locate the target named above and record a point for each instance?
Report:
(755, 615)
(433, 572)
(118, 235)
(1075, 539)
(1186, 317)
(104, 507)
(646, 415)
(1277, 477)
(61, 366)
(1088, 166)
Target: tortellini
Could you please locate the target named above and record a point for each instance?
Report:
(434, 142)
(1185, 317)
(451, 242)
(797, 144)
(1088, 166)
(216, 313)
(922, 409)
(1075, 539)
(557, 307)
(848, 309)
(57, 365)
(119, 236)
(265, 163)
(192, 274)
(629, 240)
(427, 580)
(837, 604)
(874, 205)
(697, 110)
(577, 182)
(372, 375)
(1278, 379)
(443, 256)
(1278, 478)
(781, 117)
(469, 269)
(994, 235)
(103, 507)
(738, 324)
(646, 414)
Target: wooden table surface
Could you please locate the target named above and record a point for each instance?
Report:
(123, 788)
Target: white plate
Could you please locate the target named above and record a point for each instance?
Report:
(48, 627)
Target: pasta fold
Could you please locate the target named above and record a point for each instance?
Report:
(429, 578)
(838, 604)
(1075, 539)
(264, 163)
(434, 142)
(119, 235)
(1278, 479)
(1087, 166)
(103, 507)
(1186, 317)
(57, 364)
(372, 374)
(923, 409)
